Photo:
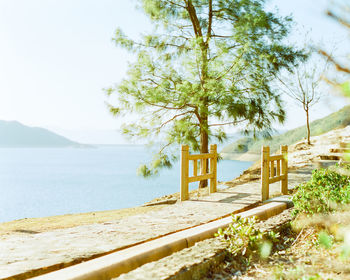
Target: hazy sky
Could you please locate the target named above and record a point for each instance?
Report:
(56, 56)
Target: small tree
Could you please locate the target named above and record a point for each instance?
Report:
(304, 85)
(208, 64)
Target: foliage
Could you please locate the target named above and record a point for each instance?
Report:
(345, 249)
(335, 120)
(239, 146)
(244, 239)
(297, 273)
(326, 191)
(207, 64)
(325, 240)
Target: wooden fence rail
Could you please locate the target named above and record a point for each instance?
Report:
(211, 157)
(271, 172)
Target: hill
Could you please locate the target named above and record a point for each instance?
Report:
(15, 134)
(247, 148)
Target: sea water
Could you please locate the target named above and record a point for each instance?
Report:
(38, 182)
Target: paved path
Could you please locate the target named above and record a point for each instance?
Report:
(28, 254)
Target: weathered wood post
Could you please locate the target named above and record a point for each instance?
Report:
(284, 181)
(184, 172)
(272, 168)
(213, 169)
(278, 168)
(203, 166)
(265, 154)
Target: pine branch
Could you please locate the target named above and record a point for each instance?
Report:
(194, 19)
(335, 63)
(210, 16)
(173, 118)
(339, 19)
(227, 123)
(162, 106)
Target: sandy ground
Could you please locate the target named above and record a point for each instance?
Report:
(36, 225)
(299, 156)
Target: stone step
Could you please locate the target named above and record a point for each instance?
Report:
(339, 150)
(328, 163)
(331, 157)
(345, 144)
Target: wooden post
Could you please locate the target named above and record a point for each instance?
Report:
(284, 181)
(195, 167)
(184, 172)
(213, 169)
(265, 154)
(278, 168)
(272, 169)
(203, 166)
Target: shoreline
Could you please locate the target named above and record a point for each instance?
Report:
(299, 155)
(248, 156)
(43, 224)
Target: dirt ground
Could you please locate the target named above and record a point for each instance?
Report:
(298, 256)
(71, 220)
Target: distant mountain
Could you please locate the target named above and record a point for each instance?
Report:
(15, 134)
(249, 149)
(93, 136)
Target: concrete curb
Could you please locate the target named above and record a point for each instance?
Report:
(123, 261)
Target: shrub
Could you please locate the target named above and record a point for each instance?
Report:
(326, 191)
(245, 239)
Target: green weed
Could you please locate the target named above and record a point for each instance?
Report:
(324, 193)
(245, 239)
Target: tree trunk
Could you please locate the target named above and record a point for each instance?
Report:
(204, 140)
(308, 126)
(204, 45)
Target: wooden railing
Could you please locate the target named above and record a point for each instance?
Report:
(211, 157)
(271, 172)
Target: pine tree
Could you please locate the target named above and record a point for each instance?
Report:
(207, 64)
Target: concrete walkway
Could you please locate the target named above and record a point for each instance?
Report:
(27, 255)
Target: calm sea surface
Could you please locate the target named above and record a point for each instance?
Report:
(53, 181)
